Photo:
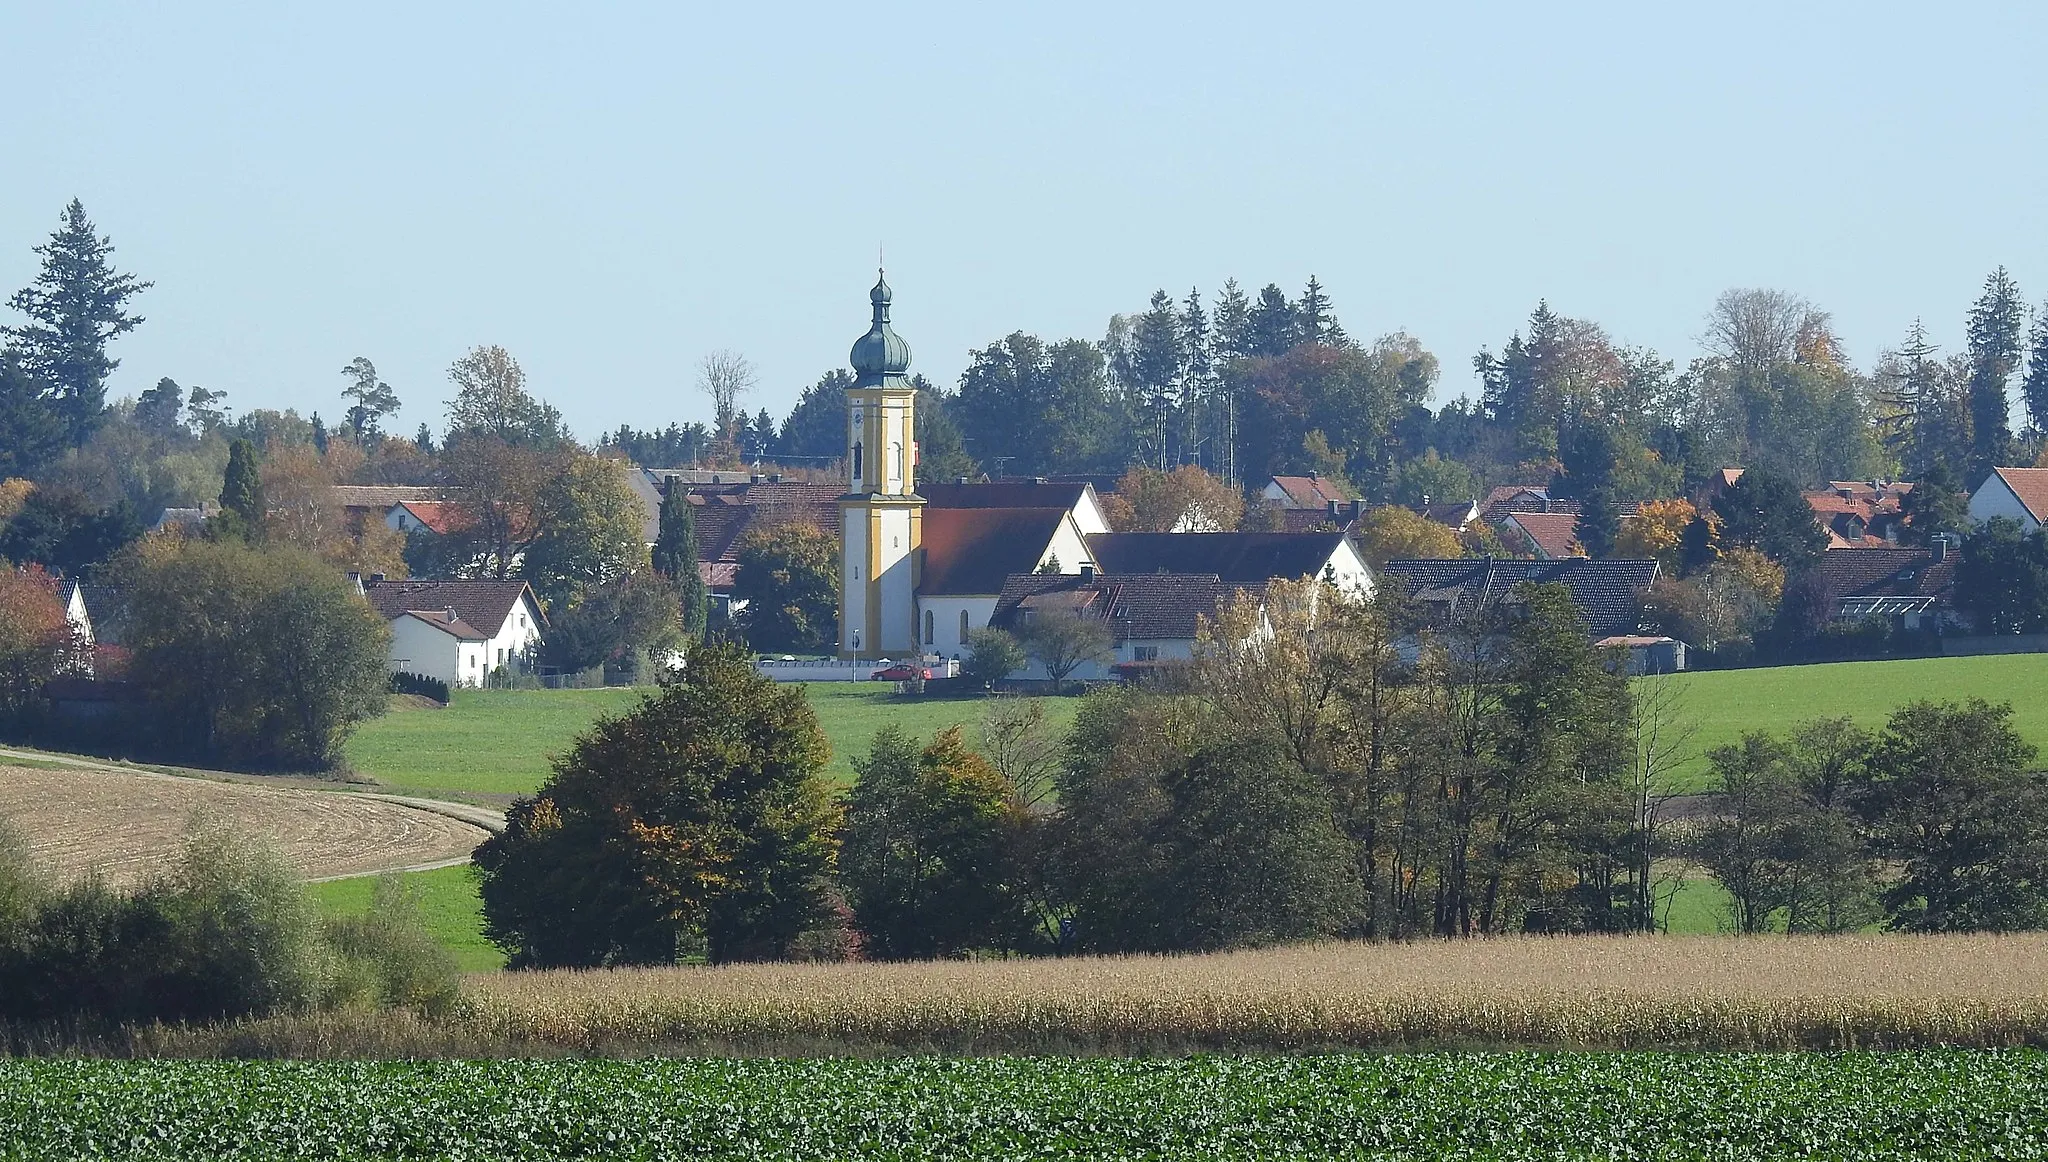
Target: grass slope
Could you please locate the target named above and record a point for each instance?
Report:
(1723, 704)
(448, 902)
(501, 742)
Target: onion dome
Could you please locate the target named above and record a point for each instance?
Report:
(881, 355)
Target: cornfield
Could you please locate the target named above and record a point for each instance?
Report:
(1572, 992)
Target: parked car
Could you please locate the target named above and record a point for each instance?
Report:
(902, 672)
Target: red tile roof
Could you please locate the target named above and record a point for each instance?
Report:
(453, 627)
(440, 516)
(2031, 486)
(1555, 534)
(1308, 491)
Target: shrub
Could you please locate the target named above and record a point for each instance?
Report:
(228, 933)
(386, 957)
(993, 655)
(421, 685)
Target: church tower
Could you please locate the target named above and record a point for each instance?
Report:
(881, 517)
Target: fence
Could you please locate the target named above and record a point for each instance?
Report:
(839, 670)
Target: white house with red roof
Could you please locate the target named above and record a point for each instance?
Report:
(2019, 494)
(458, 631)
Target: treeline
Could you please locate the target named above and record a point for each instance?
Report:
(1934, 824)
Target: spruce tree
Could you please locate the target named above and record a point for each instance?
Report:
(241, 496)
(1314, 320)
(2035, 385)
(1233, 323)
(76, 305)
(1273, 330)
(675, 556)
(31, 430)
(1996, 323)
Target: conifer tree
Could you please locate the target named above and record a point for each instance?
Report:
(1233, 323)
(1273, 330)
(1996, 322)
(2035, 385)
(31, 430)
(241, 496)
(675, 556)
(75, 306)
(373, 399)
(1314, 321)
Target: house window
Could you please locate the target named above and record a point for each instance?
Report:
(501, 657)
(927, 627)
(1144, 653)
(963, 627)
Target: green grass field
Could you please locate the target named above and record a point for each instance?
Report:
(501, 742)
(448, 902)
(1721, 705)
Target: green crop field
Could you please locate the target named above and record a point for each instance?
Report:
(1722, 704)
(1984, 1104)
(448, 903)
(500, 742)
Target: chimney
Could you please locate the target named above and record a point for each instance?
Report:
(355, 579)
(376, 578)
(960, 480)
(1336, 510)
(1546, 502)
(1312, 475)
(1038, 480)
(1938, 545)
(1358, 508)
(775, 478)
(1087, 574)
(754, 479)
(451, 615)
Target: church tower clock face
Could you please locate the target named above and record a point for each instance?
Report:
(881, 515)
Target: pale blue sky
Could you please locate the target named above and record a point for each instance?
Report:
(612, 191)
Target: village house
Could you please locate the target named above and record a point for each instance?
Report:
(2019, 494)
(1609, 596)
(460, 632)
(1910, 588)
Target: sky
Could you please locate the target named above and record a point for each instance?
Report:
(613, 191)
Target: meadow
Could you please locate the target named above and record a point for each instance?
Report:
(490, 745)
(448, 903)
(1720, 705)
(1734, 1107)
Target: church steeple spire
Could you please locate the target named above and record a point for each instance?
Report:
(880, 357)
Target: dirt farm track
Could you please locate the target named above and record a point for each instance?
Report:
(127, 824)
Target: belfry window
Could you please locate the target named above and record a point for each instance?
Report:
(856, 460)
(927, 627)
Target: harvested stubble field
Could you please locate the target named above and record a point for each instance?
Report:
(1557, 992)
(1955, 1104)
(127, 825)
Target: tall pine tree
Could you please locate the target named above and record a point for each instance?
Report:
(675, 556)
(1314, 321)
(2035, 385)
(1996, 323)
(1233, 323)
(75, 307)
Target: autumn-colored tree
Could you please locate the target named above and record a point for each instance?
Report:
(35, 638)
(926, 858)
(700, 814)
(14, 492)
(301, 511)
(1392, 533)
(1655, 531)
(1185, 500)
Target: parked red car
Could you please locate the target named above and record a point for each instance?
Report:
(902, 672)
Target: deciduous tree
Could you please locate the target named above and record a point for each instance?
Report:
(788, 574)
(699, 815)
